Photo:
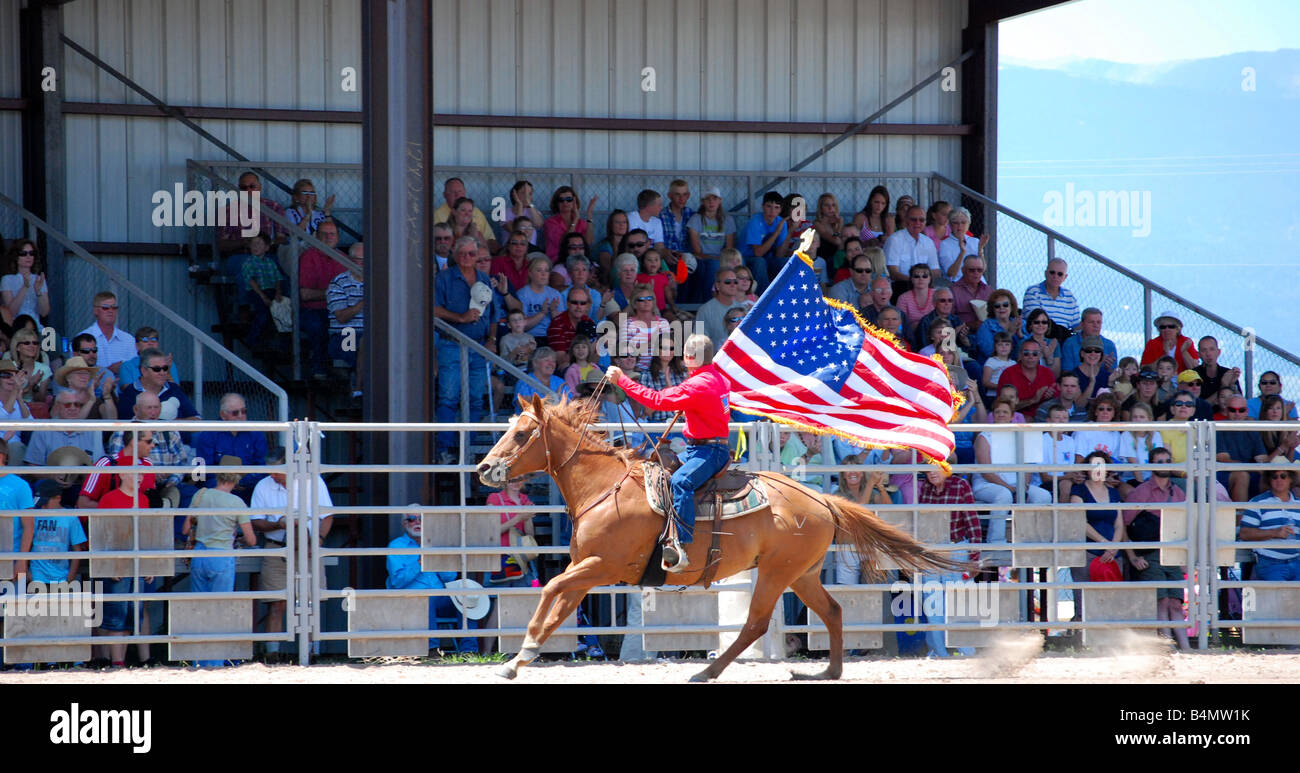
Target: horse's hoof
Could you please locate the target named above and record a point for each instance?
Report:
(820, 676)
(506, 672)
(703, 676)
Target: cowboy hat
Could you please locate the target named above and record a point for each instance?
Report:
(474, 607)
(72, 365)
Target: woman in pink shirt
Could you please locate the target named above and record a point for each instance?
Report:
(565, 219)
(918, 301)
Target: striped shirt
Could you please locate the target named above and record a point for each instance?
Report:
(1271, 519)
(345, 291)
(1063, 309)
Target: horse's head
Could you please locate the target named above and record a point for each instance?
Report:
(521, 450)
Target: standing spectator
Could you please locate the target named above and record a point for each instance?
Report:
(1089, 326)
(674, 220)
(1051, 296)
(269, 497)
(345, 298)
(1003, 317)
(67, 407)
(943, 488)
(405, 572)
(167, 450)
(128, 495)
(315, 270)
(1213, 374)
(1242, 447)
(710, 231)
(153, 379)
(213, 532)
(909, 247)
(453, 190)
(565, 219)
(958, 244)
(764, 238)
(971, 287)
(248, 447)
(1270, 383)
(145, 338)
(1034, 383)
(854, 485)
(230, 239)
(453, 304)
(1262, 523)
(53, 532)
(23, 289)
(303, 212)
(616, 227)
(512, 527)
(264, 284)
(114, 345)
(16, 495)
(1171, 343)
(575, 321)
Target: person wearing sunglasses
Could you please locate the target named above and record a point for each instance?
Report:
(644, 326)
(858, 282)
(249, 447)
(155, 379)
(566, 219)
(1270, 383)
(1261, 523)
(573, 321)
(1188, 381)
(1142, 524)
(453, 190)
(145, 338)
(1051, 296)
(230, 237)
(115, 345)
(23, 289)
(1090, 325)
(1004, 317)
(909, 247)
(304, 212)
(1171, 342)
(712, 314)
(1242, 447)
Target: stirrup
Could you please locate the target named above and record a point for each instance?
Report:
(674, 559)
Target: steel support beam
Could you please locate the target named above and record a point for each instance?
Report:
(397, 138)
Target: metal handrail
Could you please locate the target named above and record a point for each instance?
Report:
(200, 338)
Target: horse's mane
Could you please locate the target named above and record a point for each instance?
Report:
(573, 414)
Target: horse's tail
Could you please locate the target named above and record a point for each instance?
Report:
(872, 536)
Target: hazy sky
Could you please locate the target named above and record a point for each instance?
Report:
(1151, 30)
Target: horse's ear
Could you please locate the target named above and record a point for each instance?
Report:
(523, 402)
(537, 405)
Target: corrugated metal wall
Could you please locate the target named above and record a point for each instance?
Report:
(219, 53)
(769, 60)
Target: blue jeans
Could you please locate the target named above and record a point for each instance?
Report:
(1273, 570)
(449, 389)
(699, 463)
(211, 575)
(314, 327)
(935, 641)
(699, 286)
(441, 607)
(117, 614)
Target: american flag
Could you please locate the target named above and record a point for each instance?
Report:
(801, 361)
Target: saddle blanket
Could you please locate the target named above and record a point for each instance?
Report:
(742, 493)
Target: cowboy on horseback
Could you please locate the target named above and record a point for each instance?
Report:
(702, 397)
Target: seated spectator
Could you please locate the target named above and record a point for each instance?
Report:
(890, 320)
(453, 190)
(646, 217)
(575, 320)
(67, 407)
(23, 289)
(626, 268)
(1241, 447)
(303, 211)
(616, 408)
(571, 246)
(99, 483)
(114, 345)
(1226, 392)
(1103, 526)
(1171, 343)
(1145, 391)
(1101, 410)
(154, 380)
(875, 222)
(1069, 397)
(405, 572)
(12, 406)
(565, 219)
(858, 282)
(102, 382)
(1038, 327)
(16, 495)
(712, 313)
(582, 361)
(709, 231)
(666, 370)
(145, 338)
(959, 243)
(315, 271)
(517, 346)
(543, 361)
(1058, 448)
(936, 222)
(264, 284)
(1167, 370)
(996, 364)
(1211, 372)
(1143, 525)
(1188, 381)
(26, 355)
(345, 298)
(616, 227)
(1270, 383)
(232, 243)
(1136, 445)
(877, 300)
(1128, 372)
(971, 287)
(854, 485)
(539, 301)
(442, 241)
(1262, 523)
(644, 327)
(74, 379)
(167, 450)
(1034, 383)
(1010, 392)
(1051, 296)
(513, 572)
(579, 268)
(1280, 442)
(1182, 407)
(918, 300)
(521, 206)
(248, 447)
(764, 237)
(909, 247)
(1092, 373)
(1089, 326)
(1003, 317)
(663, 283)
(745, 281)
(1000, 487)
(943, 304)
(53, 531)
(213, 532)
(512, 266)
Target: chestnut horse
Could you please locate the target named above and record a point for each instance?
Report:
(615, 532)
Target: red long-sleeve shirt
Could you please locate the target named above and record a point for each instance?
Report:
(702, 397)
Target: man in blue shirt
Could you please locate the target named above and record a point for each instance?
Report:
(145, 338)
(15, 494)
(764, 236)
(249, 447)
(1261, 524)
(404, 572)
(453, 304)
(154, 378)
(1072, 349)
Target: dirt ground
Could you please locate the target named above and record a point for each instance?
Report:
(1140, 662)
